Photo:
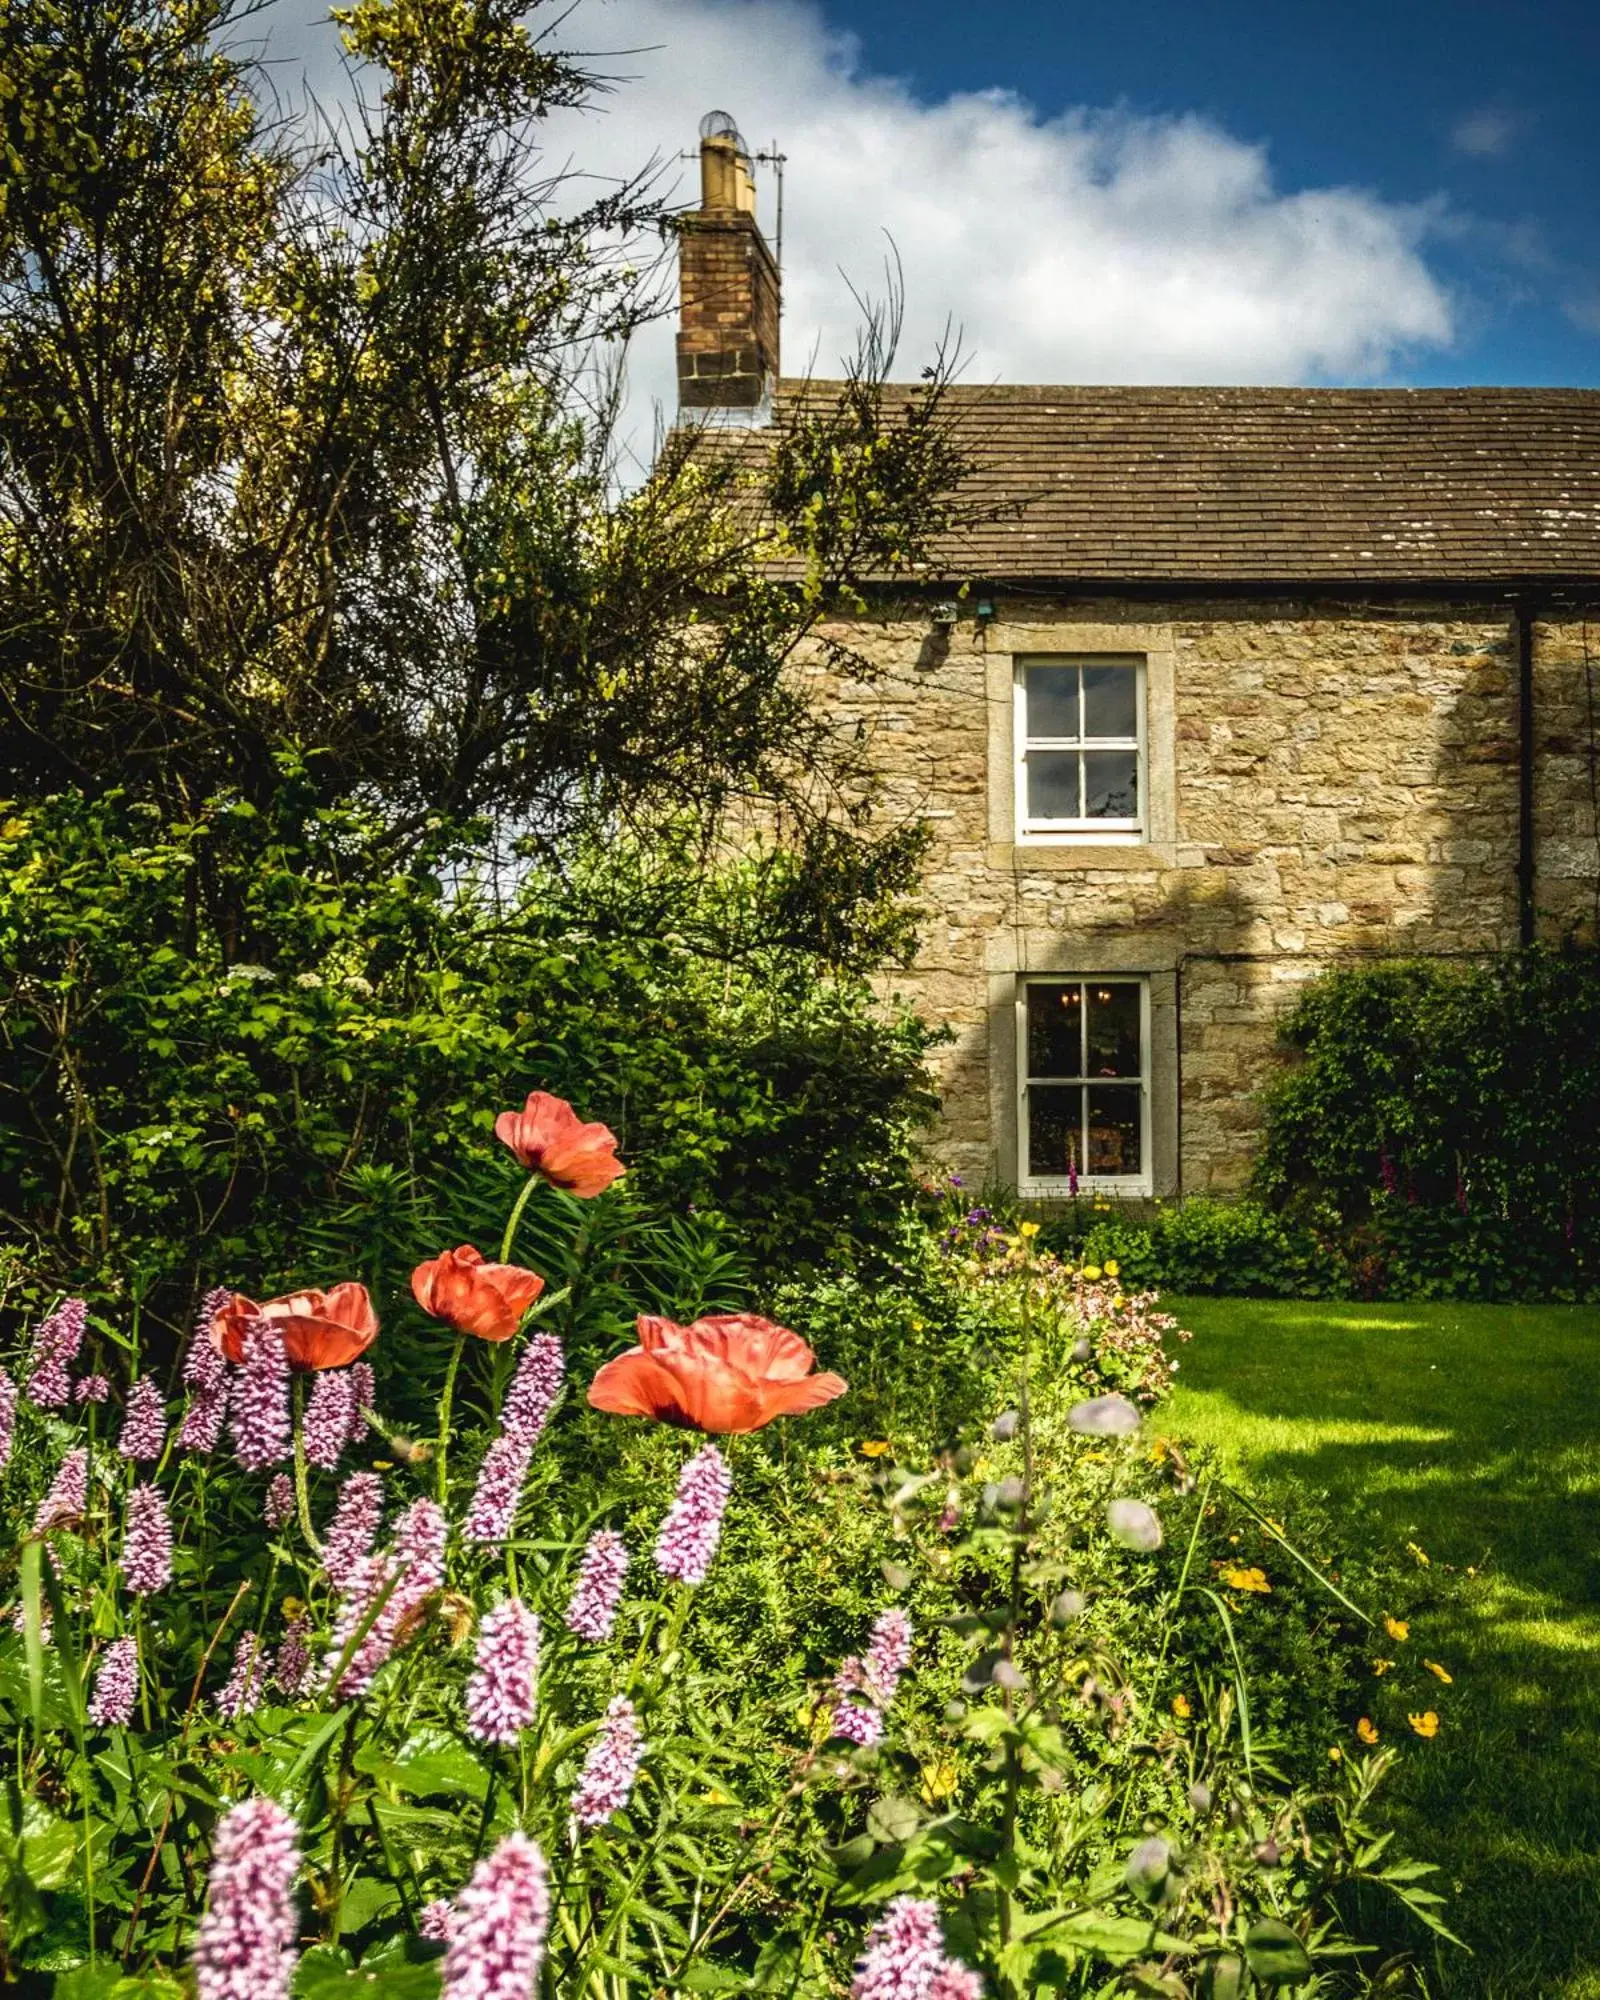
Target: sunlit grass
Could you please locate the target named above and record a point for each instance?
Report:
(1473, 1431)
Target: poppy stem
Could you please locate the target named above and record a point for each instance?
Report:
(515, 1217)
(302, 1496)
(444, 1410)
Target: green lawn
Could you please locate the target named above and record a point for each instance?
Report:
(1473, 1431)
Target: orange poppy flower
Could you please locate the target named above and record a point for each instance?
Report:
(488, 1300)
(318, 1329)
(549, 1138)
(732, 1372)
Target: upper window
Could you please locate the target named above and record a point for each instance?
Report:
(1080, 748)
(1084, 1085)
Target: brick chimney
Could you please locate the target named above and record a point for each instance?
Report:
(727, 287)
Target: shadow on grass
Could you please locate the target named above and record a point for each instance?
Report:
(1474, 1433)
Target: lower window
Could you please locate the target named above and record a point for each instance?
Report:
(1083, 1117)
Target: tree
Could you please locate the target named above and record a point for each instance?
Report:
(305, 455)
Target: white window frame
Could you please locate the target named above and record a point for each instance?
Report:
(1058, 1187)
(1057, 832)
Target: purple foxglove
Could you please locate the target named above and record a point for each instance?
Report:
(501, 1916)
(244, 1947)
(278, 1506)
(144, 1422)
(241, 1693)
(353, 1528)
(328, 1418)
(693, 1525)
(593, 1610)
(492, 1511)
(262, 1432)
(606, 1782)
(502, 1695)
(68, 1498)
(146, 1543)
(116, 1686)
(904, 1954)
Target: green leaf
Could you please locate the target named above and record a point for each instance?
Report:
(1276, 1955)
(892, 1819)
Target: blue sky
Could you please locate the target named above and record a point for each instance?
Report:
(1133, 190)
(1483, 110)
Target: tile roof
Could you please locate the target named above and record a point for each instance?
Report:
(1478, 486)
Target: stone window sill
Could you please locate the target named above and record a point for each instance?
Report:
(1028, 857)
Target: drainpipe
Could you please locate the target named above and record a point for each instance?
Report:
(1524, 626)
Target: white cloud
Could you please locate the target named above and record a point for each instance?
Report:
(1103, 245)
(1097, 246)
(1484, 134)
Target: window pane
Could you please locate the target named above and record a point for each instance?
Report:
(1113, 1029)
(1053, 784)
(1055, 1129)
(1111, 784)
(1110, 697)
(1055, 1031)
(1114, 1128)
(1053, 701)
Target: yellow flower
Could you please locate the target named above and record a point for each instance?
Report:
(1423, 1559)
(874, 1447)
(1397, 1628)
(1381, 1667)
(1091, 1272)
(1275, 1526)
(1247, 1579)
(383, 1465)
(1112, 1268)
(916, 1326)
(1426, 1724)
(1028, 1229)
(1181, 1708)
(1367, 1730)
(938, 1782)
(1439, 1673)
(292, 1608)
(1160, 1449)
(1335, 1754)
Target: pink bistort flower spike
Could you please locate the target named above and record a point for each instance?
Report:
(55, 1347)
(147, 1543)
(693, 1525)
(68, 1498)
(91, 1389)
(416, 1563)
(354, 1527)
(606, 1782)
(437, 1920)
(492, 1510)
(8, 1419)
(598, 1591)
(954, 1981)
(327, 1429)
(497, 1939)
(503, 1693)
(279, 1503)
(244, 1948)
(363, 1396)
(205, 1366)
(116, 1686)
(904, 1954)
(856, 1722)
(533, 1390)
(240, 1694)
(888, 1655)
(294, 1659)
(205, 1416)
(262, 1432)
(144, 1422)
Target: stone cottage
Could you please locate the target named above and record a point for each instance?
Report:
(1247, 683)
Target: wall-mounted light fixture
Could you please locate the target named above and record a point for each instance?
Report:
(945, 613)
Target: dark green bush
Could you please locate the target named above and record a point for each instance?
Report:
(184, 1103)
(1441, 1125)
(1233, 1248)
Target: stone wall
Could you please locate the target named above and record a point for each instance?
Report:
(1326, 782)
